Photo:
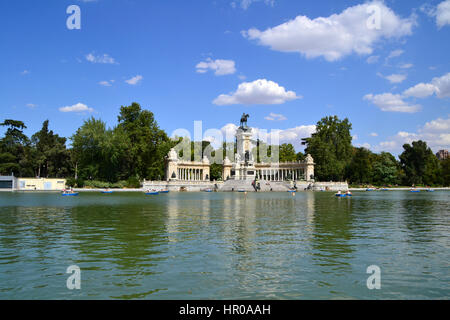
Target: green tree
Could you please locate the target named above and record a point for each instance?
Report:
(420, 164)
(14, 149)
(386, 169)
(51, 156)
(148, 143)
(287, 153)
(360, 168)
(331, 148)
(445, 165)
(88, 146)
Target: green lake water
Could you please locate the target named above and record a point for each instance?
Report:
(225, 245)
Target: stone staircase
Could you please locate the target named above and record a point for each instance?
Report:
(244, 185)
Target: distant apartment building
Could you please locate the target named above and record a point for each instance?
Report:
(442, 154)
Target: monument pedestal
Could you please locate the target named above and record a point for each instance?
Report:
(244, 165)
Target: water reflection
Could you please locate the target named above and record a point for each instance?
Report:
(233, 246)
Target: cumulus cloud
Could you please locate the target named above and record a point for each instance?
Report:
(443, 14)
(396, 102)
(389, 102)
(31, 105)
(105, 58)
(220, 67)
(135, 80)
(439, 86)
(436, 133)
(260, 91)
(374, 134)
(275, 117)
(79, 107)
(336, 36)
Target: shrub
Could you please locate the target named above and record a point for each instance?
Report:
(133, 182)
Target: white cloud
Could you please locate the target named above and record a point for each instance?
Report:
(373, 59)
(374, 134)
(439, 86)
(395, 53)
(105, 59)
(220, 67)
(31, 105)
(421, 90)
(396, 102)
(406, 66)
(275, 117)
(336, 36)
(245, 4)
(25, 72)
(79, 107)
(135, 80)
(394, 78)
(363, 145)
(443, 14)
(291, 135)
(259, 91)
(436, 133)
(437, 126)
(106, 83)
(442, 85)
(389, 102)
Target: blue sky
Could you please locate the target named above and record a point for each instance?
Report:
(213, 60)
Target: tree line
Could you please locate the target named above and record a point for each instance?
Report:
(135, 149)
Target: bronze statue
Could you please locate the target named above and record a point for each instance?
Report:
(244, 119)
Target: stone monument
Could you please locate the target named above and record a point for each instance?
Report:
(244, 166)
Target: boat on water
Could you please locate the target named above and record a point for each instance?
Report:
(241, 190)
(384, 189)
(107, 191)
(69, 194)
(370, 189)
(414, 190)
(208, 190)
(151, 192)
(164, 191)
(430, 190)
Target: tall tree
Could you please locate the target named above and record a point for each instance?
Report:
(148, 143)
(360, 168)
(331, 148)
(88, 145)
(386, 169)
(420, 164)
(287, 153)
(51, 156)
(445, 165)
(14, 149)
